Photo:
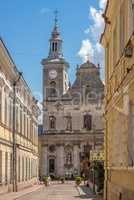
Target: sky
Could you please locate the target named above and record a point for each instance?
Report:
(26, 25)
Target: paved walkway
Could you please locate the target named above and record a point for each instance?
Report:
(67, 191)
(16, 195)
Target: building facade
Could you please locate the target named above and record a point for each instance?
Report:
(26, 127)
(72, 115)
(118, 40)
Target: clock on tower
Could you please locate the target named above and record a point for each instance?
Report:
(55, 68)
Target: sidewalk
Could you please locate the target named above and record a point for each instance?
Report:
(85, 191)
(16, 195)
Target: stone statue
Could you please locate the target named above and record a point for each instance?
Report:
(52, 122)
(87, 122)
(69, 123)
(68, 158)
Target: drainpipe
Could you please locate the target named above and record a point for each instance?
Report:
(14, 178)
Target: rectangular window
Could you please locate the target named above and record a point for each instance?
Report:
(0, 104)
(5, 111)
(27, 127)
(20, 121)
(18, 168)
(29, 169)
(6, 167)
(17, 118)
(24, 128)
(23, 169)
(11, 167)
(0, 166)
(26, 169)
(31, 130)
(10, 114)
(115, 47)
(122, 28)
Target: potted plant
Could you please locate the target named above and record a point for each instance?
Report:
(78, 180)
(62, 180)
(99, 171)
(46, 180)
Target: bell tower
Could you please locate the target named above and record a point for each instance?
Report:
(55, 49)
(55, 68)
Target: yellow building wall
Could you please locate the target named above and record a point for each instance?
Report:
(26, 137)
(119, 101)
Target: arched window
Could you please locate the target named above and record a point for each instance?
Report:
(52, 122)
(56, 46)
(53, 46)
(53, 89)
(87, 122)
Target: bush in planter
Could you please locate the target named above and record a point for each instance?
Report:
(46, 180)
(62, 179)
(52, 177)
(78, 180)
(99, 176)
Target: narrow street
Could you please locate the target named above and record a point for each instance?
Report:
(59, 192)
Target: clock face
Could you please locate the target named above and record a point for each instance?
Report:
(52, 74)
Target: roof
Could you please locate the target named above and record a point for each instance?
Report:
(87, 64)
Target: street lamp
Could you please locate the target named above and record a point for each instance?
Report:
(14, 178)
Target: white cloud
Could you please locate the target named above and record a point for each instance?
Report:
(99, 48)
(98, 23)
(96, 17)
(99, 54)
(94, 32)
(102, 4)
(86, 51)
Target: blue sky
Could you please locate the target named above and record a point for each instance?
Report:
(26, 25)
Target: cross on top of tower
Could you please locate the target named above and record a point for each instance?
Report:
(56, 18)
(88, 57)
(55, 40)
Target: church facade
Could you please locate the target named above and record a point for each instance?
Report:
(72, 114)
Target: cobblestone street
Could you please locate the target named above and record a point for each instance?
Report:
(58, 192)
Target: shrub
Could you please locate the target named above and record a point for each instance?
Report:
(45, 180)
(62, 179)
(78, 180)
(99, 176)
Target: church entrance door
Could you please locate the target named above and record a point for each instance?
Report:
(51, 165)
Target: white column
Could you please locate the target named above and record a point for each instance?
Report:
(60, 160)
(44, 161)
(3, 167)
(76, 159)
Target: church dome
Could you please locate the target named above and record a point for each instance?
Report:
(87, 64)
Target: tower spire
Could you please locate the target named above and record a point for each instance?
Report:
(55, 50)
(56, 18)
